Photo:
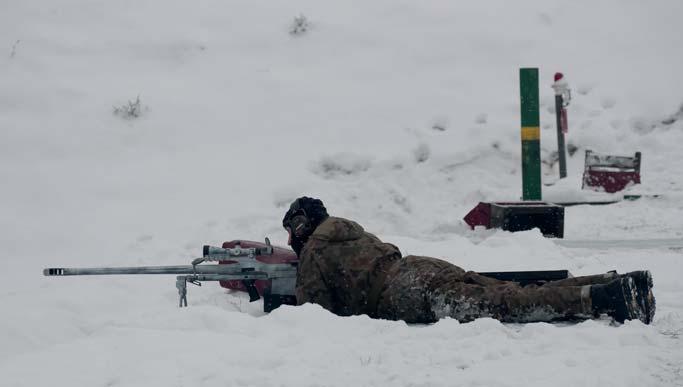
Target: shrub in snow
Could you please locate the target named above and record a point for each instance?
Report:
(608, 102)
(131, 110)
(14, 49)
(674, 117)
(299, 26)
(585, 89)
(400, 200)
(440, 123)
(642, 125)
(421, 153)
(342, 164)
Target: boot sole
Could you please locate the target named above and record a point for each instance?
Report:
(646, 300)
(632, 309)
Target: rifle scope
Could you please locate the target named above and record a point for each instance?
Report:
(213, 253)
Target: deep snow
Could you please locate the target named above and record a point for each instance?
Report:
(401, 115)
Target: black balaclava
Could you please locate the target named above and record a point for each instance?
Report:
(303, 216)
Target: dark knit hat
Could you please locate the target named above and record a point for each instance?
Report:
(312, 209)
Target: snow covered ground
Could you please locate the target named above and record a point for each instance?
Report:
(401, 115)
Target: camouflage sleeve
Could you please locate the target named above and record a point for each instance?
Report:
(310, 284)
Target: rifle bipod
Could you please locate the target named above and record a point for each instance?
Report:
(181, 284)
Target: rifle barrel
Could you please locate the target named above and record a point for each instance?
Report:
(185, 269)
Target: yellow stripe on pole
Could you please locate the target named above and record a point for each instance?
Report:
(531, 133)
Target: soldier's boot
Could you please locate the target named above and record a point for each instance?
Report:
(618, 299)
(643, 281)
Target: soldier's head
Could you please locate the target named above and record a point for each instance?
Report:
(303, 216)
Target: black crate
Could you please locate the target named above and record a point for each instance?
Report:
(521, 216)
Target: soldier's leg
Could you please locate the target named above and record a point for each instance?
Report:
(405, 293)
(509, 302)
(404, 298)
(476, 278)
(641, 279)
(423, 289)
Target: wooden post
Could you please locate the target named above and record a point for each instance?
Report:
(531, 134)
(561, 90)
(560, 137)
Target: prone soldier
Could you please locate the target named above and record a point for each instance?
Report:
(349, 271)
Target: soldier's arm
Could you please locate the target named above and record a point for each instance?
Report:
(310, 283)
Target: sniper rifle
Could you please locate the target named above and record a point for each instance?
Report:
(260, 270)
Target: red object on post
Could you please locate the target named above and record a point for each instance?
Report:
(565, 125)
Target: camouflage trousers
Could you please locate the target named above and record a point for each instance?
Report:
(424, 290)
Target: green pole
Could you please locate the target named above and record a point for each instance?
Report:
(531, 134)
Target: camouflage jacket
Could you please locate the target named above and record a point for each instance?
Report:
(342, 268)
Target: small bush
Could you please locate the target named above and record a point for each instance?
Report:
(422, 153)
(342, 164)
(299, 26)
(131, 110)
(674, 117)
(14, 49)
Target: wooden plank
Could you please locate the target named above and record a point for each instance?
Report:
(623, 162)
